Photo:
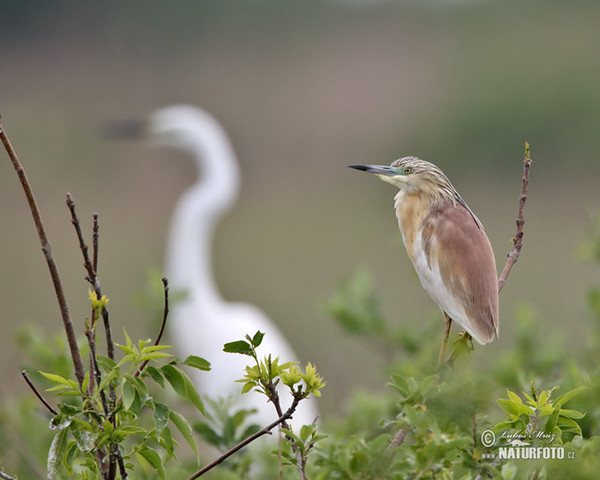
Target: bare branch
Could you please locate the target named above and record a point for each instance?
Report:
(47, 250)
(4, 476)
(91, 268)
(95, 237)
(50, 408)
(513, 255)
(250, 439)
(162, 326)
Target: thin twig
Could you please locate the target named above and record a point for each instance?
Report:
(513, 255)
(6, 477)
(162, 326)
(91, 268)
(121, 463)
(95, 237)
(56, 281)
(50, 408)
(288, 414)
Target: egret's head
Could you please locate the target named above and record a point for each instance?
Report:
(183, 127)
(413, 175)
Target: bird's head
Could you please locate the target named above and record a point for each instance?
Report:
(183, 127)
(413, 175)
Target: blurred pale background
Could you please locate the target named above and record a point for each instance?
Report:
(303, 89)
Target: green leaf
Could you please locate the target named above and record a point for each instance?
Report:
(154, 356)
(153, 459)
(568, 424)
(512, 408)
(184, 428)
(138, 383)
(108, 378)
(193, 395)
(175, 377)
(184, 387)
(576, 414)
(161, 416)
(238, 347)
(208, 434)
(56, 452)
(156, 375)
(60, 380)
(128, 339)
(248, 386)
(197, 362)
(69, 456)
(514, 397)
(128, 395)
(565, 397)
(551, 423)
(257, 338)
(166, 441)
(106, 363)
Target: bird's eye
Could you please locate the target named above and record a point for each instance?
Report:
(408, 170)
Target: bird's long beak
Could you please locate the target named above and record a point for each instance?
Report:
(376, 169)
(125, 129)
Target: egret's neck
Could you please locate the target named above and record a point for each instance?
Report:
(189, 253)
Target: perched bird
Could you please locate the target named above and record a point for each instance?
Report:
(203, 322)
(447, 245)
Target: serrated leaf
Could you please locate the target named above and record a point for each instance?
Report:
(197, 362)
(238, 347)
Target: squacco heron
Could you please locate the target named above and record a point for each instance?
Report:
(447, 245)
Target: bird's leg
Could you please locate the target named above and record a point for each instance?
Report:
(442, 359)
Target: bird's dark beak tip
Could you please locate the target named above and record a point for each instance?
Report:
(124, 129)
(358, 167)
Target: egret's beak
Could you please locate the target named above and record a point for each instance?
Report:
(376, 169)
(125, 129)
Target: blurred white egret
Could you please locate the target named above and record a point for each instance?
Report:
(203, 322)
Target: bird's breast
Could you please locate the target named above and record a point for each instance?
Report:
(410, 211)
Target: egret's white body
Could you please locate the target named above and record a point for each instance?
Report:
(203, 322)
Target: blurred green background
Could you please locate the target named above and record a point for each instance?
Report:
(303, 88)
